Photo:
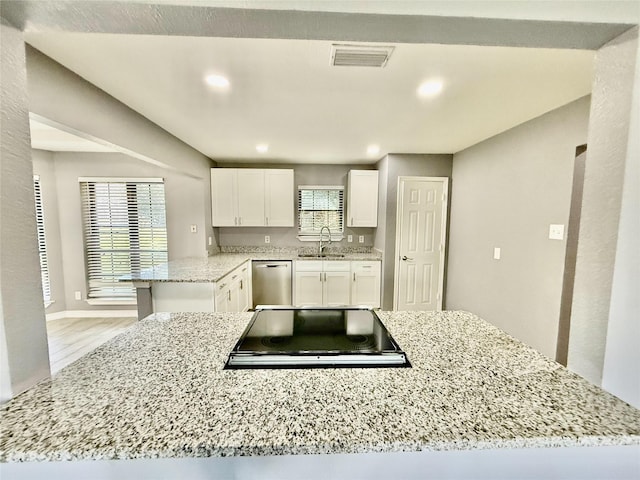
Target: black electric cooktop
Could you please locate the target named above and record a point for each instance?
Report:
(287, 337)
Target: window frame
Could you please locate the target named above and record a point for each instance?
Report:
(42, 242)
(116, 212)
(337, 233)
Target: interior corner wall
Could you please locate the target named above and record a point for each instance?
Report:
(507, 190)
(621, 372)
(304, 174)
(24, 359)
(404, 164)
(610, 136)
(61, 96)
(185, 206)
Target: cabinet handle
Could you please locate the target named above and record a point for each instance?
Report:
(352, 221)
(234, 277)
(267, 221)
(241, 287)
(239, 220)
(354, 277)
(222, 285)
(235, 220)
(229, 295)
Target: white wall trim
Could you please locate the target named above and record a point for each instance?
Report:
(91, 314)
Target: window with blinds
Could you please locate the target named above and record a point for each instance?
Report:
(42, 243)
(125, 231)
(319, 206)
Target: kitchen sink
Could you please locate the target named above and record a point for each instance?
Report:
(323, 255)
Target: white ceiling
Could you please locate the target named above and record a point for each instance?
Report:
(286, 94)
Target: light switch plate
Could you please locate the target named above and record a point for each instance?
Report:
(78, 295)
(496, 253)
(349, 238)
(210, 241)
(556, 232)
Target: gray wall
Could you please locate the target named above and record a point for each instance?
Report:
(393, 166)
(621, 372)
(603, 188)
(64, 98)
(59, 174)
(506, 192)
(24, 355)
(283, 236)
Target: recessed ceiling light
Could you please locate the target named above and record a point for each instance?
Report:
(262, 148)
(217, 81)
(430, 88)
(373, 150)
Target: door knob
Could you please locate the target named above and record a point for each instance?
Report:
(405, 258)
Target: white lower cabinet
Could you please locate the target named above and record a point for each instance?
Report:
(322, 283)
(336, 283)
(232, 293)
(365, 284)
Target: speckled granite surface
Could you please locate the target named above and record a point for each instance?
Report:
(213, 268)
(158, 390)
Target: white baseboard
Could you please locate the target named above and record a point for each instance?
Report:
(92, 314)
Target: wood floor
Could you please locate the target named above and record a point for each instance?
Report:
(71, 338)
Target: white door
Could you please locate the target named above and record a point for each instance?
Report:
(420, 241)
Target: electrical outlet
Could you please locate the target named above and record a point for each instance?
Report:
(556, 232)
(361, 239)
(267, 239)
(78, 295)
(194, 228)
(210, 241)
(349, 238)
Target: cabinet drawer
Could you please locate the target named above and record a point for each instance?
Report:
(336, 266)
(308, 265)
(365, 267)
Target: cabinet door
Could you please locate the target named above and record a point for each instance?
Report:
(224, 211)
(362, 200)
(365, 284)
(308, 289)
(244, 294)
(222, 298)
(250, 197)
(336, 289)
(278, 198)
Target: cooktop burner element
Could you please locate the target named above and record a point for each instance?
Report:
(287, 337)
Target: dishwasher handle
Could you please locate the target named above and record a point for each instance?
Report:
(267, 265)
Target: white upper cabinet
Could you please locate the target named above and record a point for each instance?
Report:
(362, 200)
(224, 197)
(251, 197)
(279, 193)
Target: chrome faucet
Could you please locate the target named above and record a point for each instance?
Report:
(320, 246)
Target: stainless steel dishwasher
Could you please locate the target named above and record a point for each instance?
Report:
(271, 282)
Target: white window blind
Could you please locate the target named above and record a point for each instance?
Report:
(319, 206)
(42, 244)
(125, 231)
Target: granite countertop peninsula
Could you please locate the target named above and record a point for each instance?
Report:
(159, 391)
(215, 267)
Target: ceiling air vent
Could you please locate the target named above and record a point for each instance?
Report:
(359, 55)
